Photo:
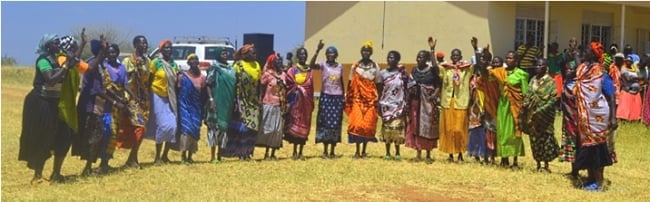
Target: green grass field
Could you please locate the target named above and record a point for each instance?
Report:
(314, 179)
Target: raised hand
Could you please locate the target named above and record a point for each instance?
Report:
(432, 42)
(84, 38)
(474, 43)
(320, 44)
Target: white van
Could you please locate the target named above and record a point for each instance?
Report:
(204, 47)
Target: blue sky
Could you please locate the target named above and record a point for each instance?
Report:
(23, 23)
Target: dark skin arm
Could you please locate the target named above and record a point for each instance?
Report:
(312, 63)
(432, 45)
(84, 41)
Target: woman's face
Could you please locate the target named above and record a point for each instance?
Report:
(484, 60)
(223, 56)
(166, 50)
(510, 59)
(496, 62)
(456, 56)
(628, 61)
(540, 67)
(251, 55)
(112, 54)
(302, 55)
(391, 59)
(193, 62)
(277, 63)
(330, 55)
(366, 53)
(53, 46)
(570, 72)
(141, 44)
(421, 59)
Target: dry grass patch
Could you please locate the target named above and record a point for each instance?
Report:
(314, 179)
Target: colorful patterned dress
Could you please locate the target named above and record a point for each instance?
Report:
(537, 118)
(244, 126)
(300, 99)
(361, 101)
(513, 83)
(423, 128)
(393, 105)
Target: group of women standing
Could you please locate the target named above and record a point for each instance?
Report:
(480, 108)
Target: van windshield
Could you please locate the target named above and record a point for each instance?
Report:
(181, 52)
(210, 52)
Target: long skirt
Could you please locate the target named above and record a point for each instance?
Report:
(241, 141)
(329, 119)
(216, 137)
(412, 138)
(393, 131)
(42, 131)
(454, 129)
(110, 135)
(130, 136)
(629, 106)
(272, 124)
(162, 124)
(544, 147)
(477, 144)
(596, 156)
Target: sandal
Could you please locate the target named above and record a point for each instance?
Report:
(387, 157)
(592, 187)
(398, 157)
(215, 161)
(428, 161)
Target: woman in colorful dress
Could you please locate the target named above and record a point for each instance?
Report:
(361, 101)
(629, 98)
(513, 83)
(221, 82)
(477, 146)
(455, 98)
(162, 125)
(191, 99)
(132, 124)
(244, 125)
(300, 100)
(594, 88)
(490, 88)
(422, 132)
(393, 103)
(569, 142)
(273, 106)
(538, 114)
(330, 105)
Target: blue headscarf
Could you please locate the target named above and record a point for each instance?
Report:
(333, 49)
(95, 46)
(42, 44)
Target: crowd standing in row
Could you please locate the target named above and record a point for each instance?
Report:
(482, 107)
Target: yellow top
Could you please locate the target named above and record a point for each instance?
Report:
(159, 84)
(458, 88)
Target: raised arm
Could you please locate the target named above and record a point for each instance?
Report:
(84, 41)
(101, 55)
(432, 46)
(312, 63)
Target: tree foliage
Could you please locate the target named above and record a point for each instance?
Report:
(8, 60)
(112, 33)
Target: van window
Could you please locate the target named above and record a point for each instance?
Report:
(181, 52)
(210, 52)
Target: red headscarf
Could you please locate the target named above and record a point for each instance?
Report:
(243, 51)
(269, 61)
(163, 42)
(597, 48)
(440, 54)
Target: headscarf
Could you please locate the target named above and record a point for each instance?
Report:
(95, 46)
(42, 44)
(243, 51)
(367, 44)
(66, 42)
(597, 48)
(333, 49)
(440, 54)
(163, 43)
(190, 56)
(217, 52)
(269, 61)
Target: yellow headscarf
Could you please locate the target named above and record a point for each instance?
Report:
(367, 44)
(190, 56)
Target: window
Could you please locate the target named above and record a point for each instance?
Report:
(525, 28)
(596, 32)
(211, 55)
(181, 52)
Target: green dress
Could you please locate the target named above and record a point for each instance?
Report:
(513, 85)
